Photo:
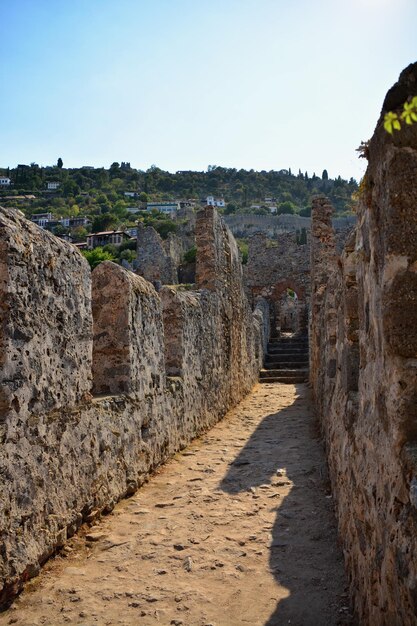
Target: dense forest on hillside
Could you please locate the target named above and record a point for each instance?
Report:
(100, 193)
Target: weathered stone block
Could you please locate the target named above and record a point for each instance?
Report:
(158, 260)
(45, 320)
(128, 333)
(371, 441)
(401, 214)
(400, 315)
(59, 466)
(184, 331)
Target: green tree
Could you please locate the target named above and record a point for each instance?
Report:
(286, 207)
(59, 230)
(70, 188)
(244, 250)
(191, 255)
(128, 255)
(231, 207)
(79, 234)
(119, 208)
(60, 163)
(97, 256)
(325, 175)
(104, 222)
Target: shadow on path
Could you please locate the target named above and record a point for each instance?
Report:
(304, 555)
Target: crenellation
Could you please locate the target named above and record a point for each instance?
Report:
(46, 323)
(128, 332)
(106, 374)
(158, 260)
(182, 315)
(163, 367)
(366, 402)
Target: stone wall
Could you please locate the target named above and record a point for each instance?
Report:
(125, 361)
(161, 260)
(42, 370)
(280, 263)
(364, 373)
(276, 264)
(166, 367)
(248, 225)
(157, 260)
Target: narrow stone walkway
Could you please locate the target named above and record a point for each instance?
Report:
(237, 529)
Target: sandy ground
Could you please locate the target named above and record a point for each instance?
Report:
(237, 529)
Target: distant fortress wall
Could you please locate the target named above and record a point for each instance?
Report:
(246, 225)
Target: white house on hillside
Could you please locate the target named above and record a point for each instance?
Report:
(4, 182)
(42, 219)
(52, 186)
(218, 202)
(170, 208)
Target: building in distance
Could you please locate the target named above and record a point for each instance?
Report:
(169, 208)
(115, 237)
(217, 202)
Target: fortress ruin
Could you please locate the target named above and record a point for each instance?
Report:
(103, 377)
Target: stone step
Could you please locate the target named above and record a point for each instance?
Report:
(290, 380)
(285, 381)
(285, 373)
(289, 346)
(289, 340)
(295, 357)
(282, 356)
(287, 365)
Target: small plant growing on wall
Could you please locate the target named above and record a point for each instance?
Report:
(393, 120)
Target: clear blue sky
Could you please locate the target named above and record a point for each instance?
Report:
(262, 84)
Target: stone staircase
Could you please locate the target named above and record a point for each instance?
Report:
(286, 360)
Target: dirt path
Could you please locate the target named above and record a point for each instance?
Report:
(237, 529)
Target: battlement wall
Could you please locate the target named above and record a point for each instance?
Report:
(364, 374)
(103, 378)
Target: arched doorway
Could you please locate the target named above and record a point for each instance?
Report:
(290, 308)
(288, 304)
(288, 312)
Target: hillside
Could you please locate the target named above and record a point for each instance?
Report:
(99, 193)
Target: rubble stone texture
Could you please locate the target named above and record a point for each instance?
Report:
(128, 345)
(161, 261)
(273, 267)
(275, 264)
(281, 263)
(364, 373)
(45, 347)
(275, 225)
(69, 456)
(158, 260)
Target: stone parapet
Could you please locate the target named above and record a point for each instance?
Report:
(45, 322)
(128, 353)
(364, 374)
(165, 367)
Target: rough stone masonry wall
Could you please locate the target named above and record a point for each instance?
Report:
(158, 260)
(281, 262)
(161, 261)
(273, 225)
(68, 455)
(364, 373)
(275, 264)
